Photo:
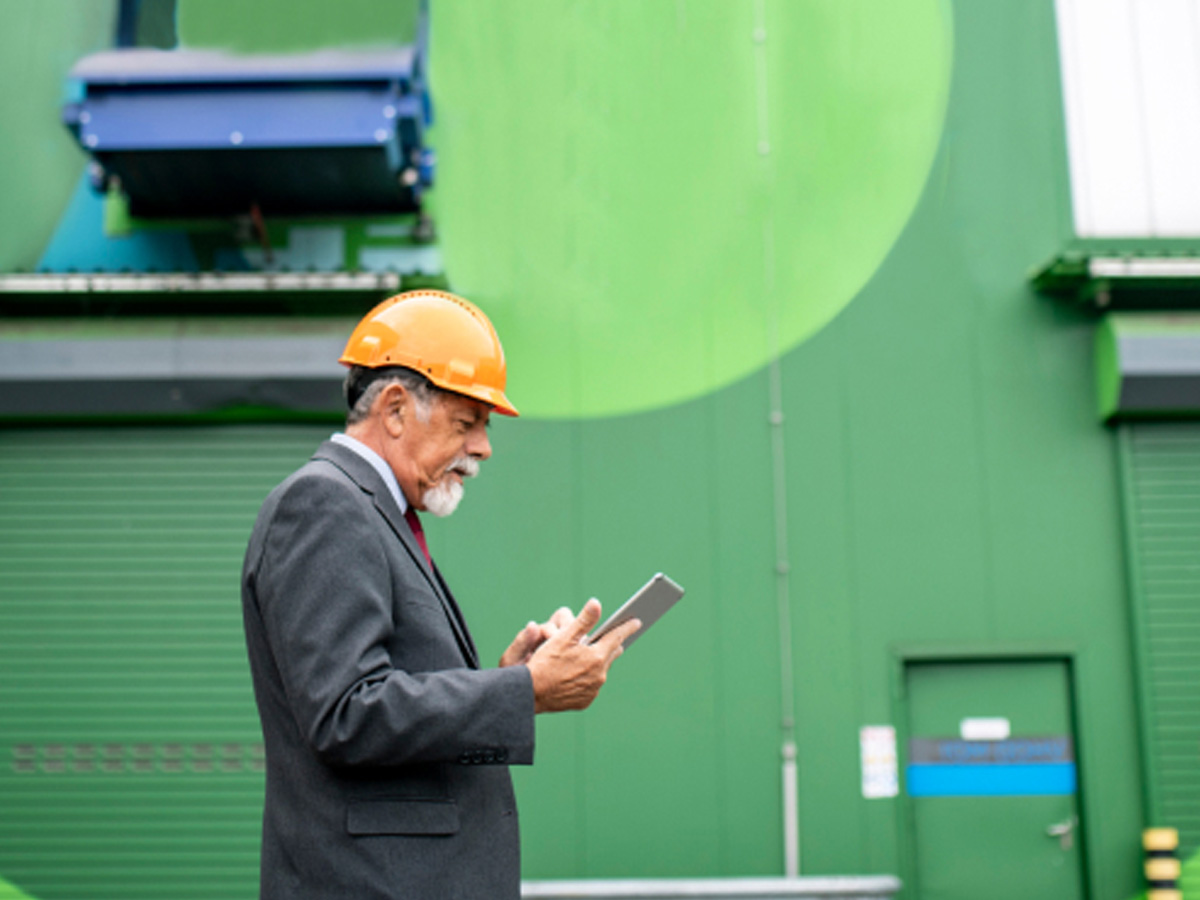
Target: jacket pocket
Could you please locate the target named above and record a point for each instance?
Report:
(368, 817)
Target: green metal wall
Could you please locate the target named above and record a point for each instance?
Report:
(947, 486)
(40, 42)
(948, 489)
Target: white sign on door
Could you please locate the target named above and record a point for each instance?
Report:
(992, 728)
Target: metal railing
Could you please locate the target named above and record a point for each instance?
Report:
(869, 887)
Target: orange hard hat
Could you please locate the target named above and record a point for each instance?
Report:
(446, 338)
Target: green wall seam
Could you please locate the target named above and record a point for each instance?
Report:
(1137, 606)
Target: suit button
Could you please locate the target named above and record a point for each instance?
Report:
(502, 756)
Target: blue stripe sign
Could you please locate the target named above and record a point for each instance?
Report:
(936, 780)
(950, 767)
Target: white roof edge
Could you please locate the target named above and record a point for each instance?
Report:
(1144, 267)
(140, 64)
(196, 282)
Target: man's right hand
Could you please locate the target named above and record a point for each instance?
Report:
(567, 673)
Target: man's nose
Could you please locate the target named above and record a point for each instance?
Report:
(478, 444)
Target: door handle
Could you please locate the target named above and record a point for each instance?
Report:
(1064, 831)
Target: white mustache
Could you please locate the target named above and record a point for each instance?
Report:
(466, 466)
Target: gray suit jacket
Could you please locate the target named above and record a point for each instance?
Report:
(386, 744)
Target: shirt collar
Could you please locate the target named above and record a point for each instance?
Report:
(377, 462)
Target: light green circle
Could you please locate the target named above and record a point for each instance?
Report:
(650, 198)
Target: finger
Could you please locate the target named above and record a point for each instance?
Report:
(512, 653)
(531, 636)
(585, 621)
(561, 619)
(527, 640)
(611, 644)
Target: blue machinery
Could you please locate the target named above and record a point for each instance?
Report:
(187, 133)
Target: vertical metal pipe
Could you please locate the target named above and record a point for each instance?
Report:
(787, 689)
(791, 813)
(783, 603)
(787, 701)
(789, 785)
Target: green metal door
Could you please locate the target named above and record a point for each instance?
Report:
(992, 782)
(130, 751)
(1161, 469)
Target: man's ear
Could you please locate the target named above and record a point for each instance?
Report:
(392, 407)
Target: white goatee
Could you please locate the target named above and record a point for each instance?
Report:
(443, 498)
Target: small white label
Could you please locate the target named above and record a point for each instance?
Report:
(877, 745)
(991, 729)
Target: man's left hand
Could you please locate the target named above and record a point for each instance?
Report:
(533, 636)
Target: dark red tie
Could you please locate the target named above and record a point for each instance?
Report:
(410, 516)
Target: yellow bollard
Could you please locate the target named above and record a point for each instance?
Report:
(1162, 864)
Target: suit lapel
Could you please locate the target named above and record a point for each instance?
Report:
(364, 475)
(458, 616)
(395, 519)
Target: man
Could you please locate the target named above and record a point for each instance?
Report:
(387, 745)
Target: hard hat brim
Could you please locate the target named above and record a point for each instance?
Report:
(493, 398)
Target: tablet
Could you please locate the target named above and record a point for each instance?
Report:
(649, 604)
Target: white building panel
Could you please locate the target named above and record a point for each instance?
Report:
(1169, 55)
(1106, 134)
(1131, 85)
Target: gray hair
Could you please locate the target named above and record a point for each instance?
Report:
(418, 386)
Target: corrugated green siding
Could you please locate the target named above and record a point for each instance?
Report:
(130, 756)
(1163, 510)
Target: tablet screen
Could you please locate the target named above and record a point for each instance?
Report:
(649, 604)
